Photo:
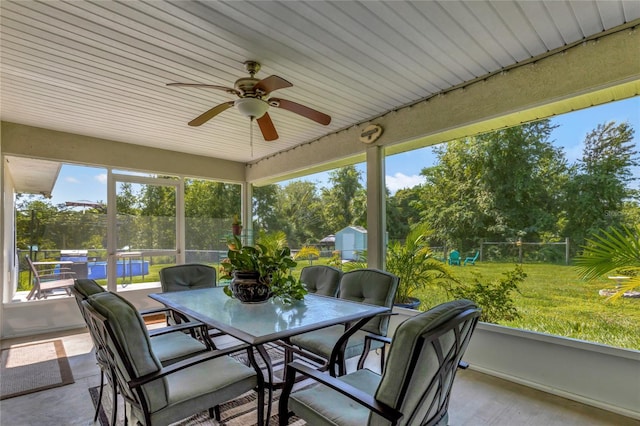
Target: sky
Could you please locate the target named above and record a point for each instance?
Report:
(76, 183)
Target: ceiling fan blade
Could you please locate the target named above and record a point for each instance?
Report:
(271, 83)
(267, 128)
(304, 111)
(203, 118)
(207, 86)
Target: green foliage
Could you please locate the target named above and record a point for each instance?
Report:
(414, 264)
(598, 186)
(271, 260)
(612, 251)
(494, 297)
(403, 212)
(345, 202)
(494, 186)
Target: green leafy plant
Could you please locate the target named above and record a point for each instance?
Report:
(495, 297)
(272, 263)
(612, 251)
(414, 263)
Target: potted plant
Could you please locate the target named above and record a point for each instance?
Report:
(259, 272)
(414, 263)
(236, 225)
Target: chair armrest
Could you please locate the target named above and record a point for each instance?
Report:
(345, 389)
(181, 365)
(152, 311)
(379, 338)
(175, 328)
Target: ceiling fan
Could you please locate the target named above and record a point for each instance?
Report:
(251, 101)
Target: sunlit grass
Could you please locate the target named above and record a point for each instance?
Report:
(554, 300)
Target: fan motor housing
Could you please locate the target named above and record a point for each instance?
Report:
(245, 86)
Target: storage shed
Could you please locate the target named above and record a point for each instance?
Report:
(351, 241)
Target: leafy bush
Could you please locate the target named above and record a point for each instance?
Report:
(413, 262)
(495, 298)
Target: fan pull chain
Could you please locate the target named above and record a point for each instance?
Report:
(251, 134)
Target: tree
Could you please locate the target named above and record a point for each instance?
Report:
(345, 201)
(209, 206)
(265, 208)
(403, 212)
(300, 209)
(600, 181)
(499, 185)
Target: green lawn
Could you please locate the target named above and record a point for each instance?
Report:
(553, 300)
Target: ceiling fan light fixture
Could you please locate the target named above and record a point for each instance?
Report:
(251, 107)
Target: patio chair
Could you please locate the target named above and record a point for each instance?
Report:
(414, 388)
(47, 281)
(157, 394)
(189, 276)
(362, 285)
(321, 279)
(169, 344)
(454, 258)
(471, 259)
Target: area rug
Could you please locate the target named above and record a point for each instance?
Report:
(32, 368)
(240, 411)
(237, 412)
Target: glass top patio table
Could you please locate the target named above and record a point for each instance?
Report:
(265, 322)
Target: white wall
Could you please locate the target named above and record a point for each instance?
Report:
(61, 313)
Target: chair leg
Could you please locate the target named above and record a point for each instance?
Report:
(214, 412)
(114, 406)
(283, 404)
(382, 352)
(260, 403)
(99, 403)
(365, 353)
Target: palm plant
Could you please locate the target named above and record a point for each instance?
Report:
(414, 263)
(612, 251)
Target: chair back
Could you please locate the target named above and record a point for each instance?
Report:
(123, 336)
(374, 287)
(423, 360)
(83, 288)
(321, 279)
(187, 277)
(86, 287)
(454, 256)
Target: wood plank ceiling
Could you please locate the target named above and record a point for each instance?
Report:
(99, 68)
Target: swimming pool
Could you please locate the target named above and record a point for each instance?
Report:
(98, 270)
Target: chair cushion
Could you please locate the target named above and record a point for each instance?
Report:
(204, 385)
(321, 342)
(321, 405)
(173, 347)
(187, 277)
(321, 279)
(87, 287)
(370, 286)
(405, 340)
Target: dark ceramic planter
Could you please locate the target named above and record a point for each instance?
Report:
(247, 288)
(413, 304)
